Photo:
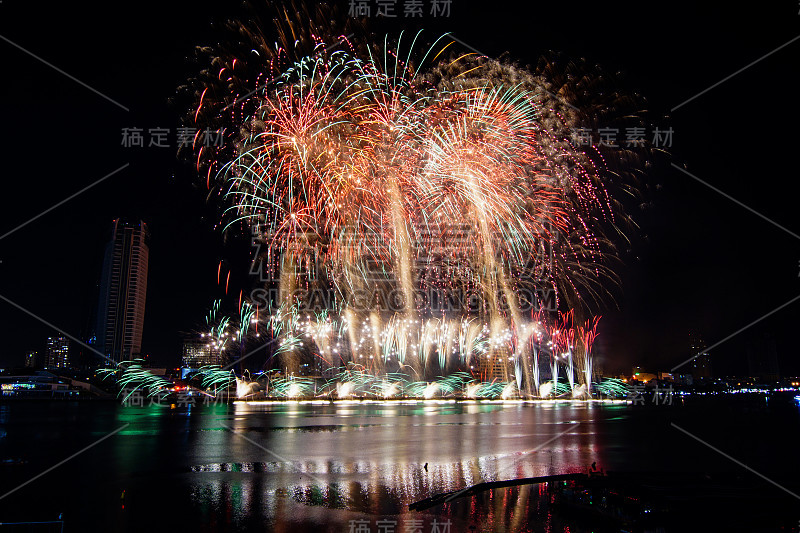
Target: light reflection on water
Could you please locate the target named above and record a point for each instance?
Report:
(295, 461)
(288, 466)
(315, 467)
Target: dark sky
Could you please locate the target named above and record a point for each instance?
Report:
(707, 265)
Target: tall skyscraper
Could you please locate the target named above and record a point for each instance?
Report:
(57, 352)
(123, 290)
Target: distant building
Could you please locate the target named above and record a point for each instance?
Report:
(198, 353)
(309, 369)
(701, 362)
(494, 365)
(57, 352)
(639, 374)
(701, 367)
(31, 358)
(123, 291)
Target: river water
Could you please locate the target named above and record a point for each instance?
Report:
(357, 466)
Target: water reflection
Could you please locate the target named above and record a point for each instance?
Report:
(322, 466)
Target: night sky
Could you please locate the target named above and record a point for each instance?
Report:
(701, 263)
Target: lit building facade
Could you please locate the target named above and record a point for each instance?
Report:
(123, 291)
(57, 352)
(197, 353)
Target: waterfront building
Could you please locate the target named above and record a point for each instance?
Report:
(123, 291)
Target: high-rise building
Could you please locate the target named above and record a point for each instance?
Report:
(123, 289)
(57, 352)
(31, 359)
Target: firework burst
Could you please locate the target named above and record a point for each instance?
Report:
(378, 165)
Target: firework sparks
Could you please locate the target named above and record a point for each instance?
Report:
(379, 166)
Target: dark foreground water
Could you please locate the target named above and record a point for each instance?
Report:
(351, 467)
